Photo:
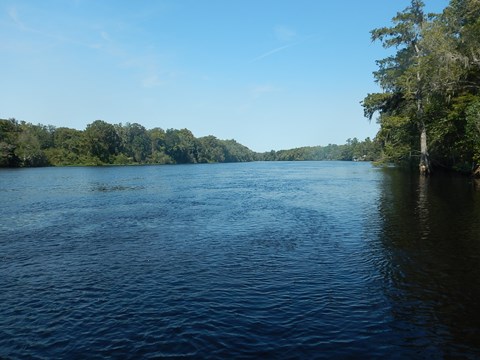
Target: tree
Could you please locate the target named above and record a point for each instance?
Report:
(181, 146)
(69, 147)
(158, 148)
(210, 149)
(9, 130)
(30, 147)
(401, 105)
(135, 141)
(235, 152)
(430, 86)
(102, 140)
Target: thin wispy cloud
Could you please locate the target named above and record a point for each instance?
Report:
(143, 67)
(285, 34)
(13, 14)
(105, 36)
(77, 3)
(152, 74)
(151, 81)
(255, 94)
(260, 90)
(22, 26)
(281, 48)
(271, 52)
(104, 43)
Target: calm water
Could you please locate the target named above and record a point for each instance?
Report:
(279, 260)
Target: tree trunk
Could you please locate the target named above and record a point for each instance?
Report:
(424, 158)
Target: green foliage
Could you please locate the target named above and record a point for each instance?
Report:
(473, 129)
(101, 143)
(210, 149)
(400, 107)
(25, 144)
(31, 142)
(235, 152)
(68, 147)
(181, 146)
(135, 142)
(377, 102)
(9, 130)
(354, 149)
(159, 157)
(430, 84)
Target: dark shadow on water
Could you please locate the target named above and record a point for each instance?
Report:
(113, 187)
(430, 244)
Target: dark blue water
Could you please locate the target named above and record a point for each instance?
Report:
(253, 260)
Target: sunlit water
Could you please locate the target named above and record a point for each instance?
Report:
(253, 260)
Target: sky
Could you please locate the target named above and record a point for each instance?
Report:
(271, 74)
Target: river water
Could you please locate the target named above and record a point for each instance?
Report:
(251, 260)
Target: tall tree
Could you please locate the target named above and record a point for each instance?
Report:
(402, 103)
(9, 130)
(158, 149)
(30, 148)
(451, 43)
(210, 149)
(181, 146)
(102, 140)
(68, 147)
(136, 142)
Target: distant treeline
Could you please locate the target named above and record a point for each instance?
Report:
(354, 149)
(24, 144)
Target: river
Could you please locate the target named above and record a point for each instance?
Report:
(277, 260)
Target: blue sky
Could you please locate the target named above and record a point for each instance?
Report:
(271, 74)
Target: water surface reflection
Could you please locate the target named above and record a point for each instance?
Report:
(259, 260)
(430, 241)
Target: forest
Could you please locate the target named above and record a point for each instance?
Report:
(428, 111)
(429, 106)
(24, 144)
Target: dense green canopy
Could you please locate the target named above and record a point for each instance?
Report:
(430, 87)
(24, 144)
(430, 95)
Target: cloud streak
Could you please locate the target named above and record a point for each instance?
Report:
(151, 81)
(260, 90)
(21, 25)
(281, 48)
(271, 52)
(13, 14)
(284, 33)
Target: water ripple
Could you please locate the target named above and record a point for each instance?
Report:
(281, 260)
